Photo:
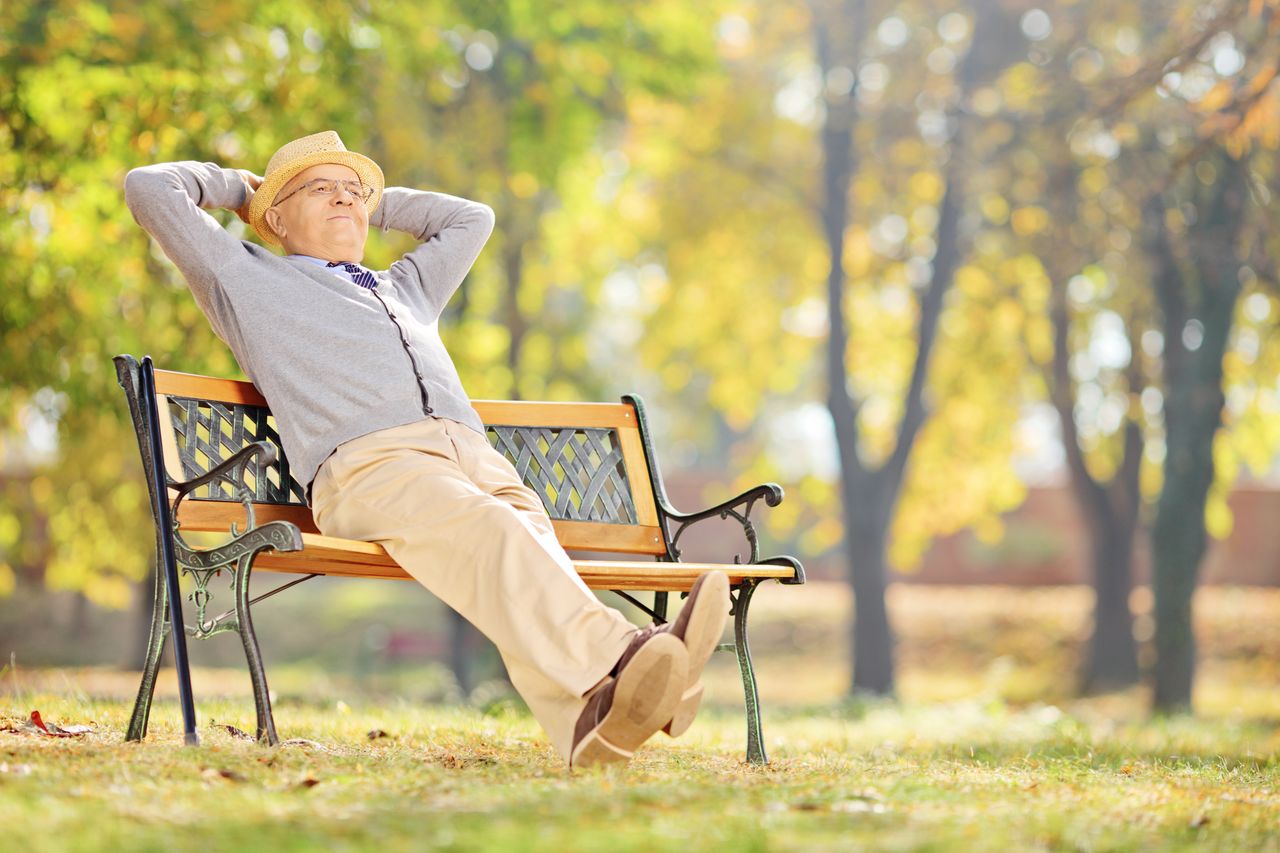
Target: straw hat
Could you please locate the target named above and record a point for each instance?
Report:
(292, 158)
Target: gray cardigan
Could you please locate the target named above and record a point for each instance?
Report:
(325, 353)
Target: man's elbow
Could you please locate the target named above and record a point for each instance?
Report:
(140, 183)
(485, 218)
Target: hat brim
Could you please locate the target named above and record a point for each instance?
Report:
(265, 196)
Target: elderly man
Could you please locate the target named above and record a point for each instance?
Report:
(376, 424)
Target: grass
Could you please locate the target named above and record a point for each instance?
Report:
(962, 775)
(988, 750)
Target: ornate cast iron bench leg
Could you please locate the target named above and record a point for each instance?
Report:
(750, 695)
(151, 665)
(241, 552)
(237, 556)
(257, 672)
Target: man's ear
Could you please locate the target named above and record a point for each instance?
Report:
(275, 222)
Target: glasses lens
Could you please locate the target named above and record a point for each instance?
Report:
(322, 186)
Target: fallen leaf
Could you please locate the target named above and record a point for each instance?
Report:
(377, 733)
(39, 723)
(53, 730)
(234, 732)
(308, 781)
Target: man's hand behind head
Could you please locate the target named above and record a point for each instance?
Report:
(252, 182)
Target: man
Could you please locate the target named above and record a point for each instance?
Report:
(376, 424)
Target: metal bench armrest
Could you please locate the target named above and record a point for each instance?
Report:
(230, 471)
(738, 508)
(771, 492)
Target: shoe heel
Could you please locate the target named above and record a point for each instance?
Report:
(595, 751)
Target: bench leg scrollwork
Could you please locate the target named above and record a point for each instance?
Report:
(236, 557)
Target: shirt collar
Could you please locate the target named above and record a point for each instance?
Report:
(321, 261)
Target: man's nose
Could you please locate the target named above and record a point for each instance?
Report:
(343, 195)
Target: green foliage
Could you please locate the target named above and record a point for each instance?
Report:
(494, 102)
(655, 167)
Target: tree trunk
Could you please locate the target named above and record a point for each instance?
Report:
(873, 637)
(1198, 300)
(1112, 661)
(870, 496)
(1110, 509)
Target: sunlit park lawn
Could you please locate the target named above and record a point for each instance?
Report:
(984, 751)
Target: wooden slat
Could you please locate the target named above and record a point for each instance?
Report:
(541, 414)
(169, 444)
(615, 538)
(667, 577)
(638, 476)
(218, 515)
(349, 558)
(176, 384)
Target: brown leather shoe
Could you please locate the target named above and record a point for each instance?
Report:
(639, 700)
(699, 626)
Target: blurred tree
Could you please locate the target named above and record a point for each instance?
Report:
(492, 103)
(870, 492)
(723, 208)
(1191, 175)
(512, 97)
(1105, 125)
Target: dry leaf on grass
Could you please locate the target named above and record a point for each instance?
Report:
(377, 733)
(37, 723)
(233, 731)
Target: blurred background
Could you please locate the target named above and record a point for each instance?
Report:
(989, 287)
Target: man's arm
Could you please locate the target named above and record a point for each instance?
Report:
(453, 231)
(166, 200)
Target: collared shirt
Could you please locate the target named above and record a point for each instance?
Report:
(338, 271)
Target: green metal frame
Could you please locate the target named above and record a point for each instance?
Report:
(739, 509)
(234, 556)
(237, 554)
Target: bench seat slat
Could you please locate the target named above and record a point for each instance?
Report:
(328, 555)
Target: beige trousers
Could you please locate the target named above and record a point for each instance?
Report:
(453, 512)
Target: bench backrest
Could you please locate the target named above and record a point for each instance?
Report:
(587, 461)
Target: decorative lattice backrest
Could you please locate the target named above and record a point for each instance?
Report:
(585, 460)
(578, 472)
(208, 432)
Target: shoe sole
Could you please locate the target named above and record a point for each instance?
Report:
(645, 696)
(702, 635)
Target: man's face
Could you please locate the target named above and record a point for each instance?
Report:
(333, 227)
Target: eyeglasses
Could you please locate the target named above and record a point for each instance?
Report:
(329, 186)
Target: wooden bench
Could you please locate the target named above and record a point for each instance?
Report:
(592, 464)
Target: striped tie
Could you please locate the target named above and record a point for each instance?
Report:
(362, 276)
